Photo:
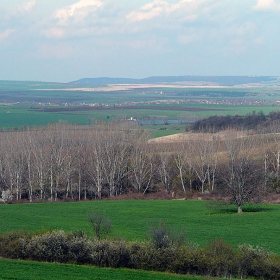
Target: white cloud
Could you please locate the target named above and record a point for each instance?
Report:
(5, 34)
(267, 5)
(163, 7)
(27, 6)
(78, 11)
(16, 12)
(21, 9)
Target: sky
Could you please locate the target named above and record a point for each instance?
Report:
(66, 40)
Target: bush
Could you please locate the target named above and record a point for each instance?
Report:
(138, 255)
(57, 246)
(101, 225)
(163, 237)
(51, 247)
(220, 259)
(252, 260)
(80, 247)
(119, 254)
(11, 244)
(187, 261)
(271, 268)
(111, 254)
(217, 259)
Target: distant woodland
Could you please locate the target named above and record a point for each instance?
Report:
(255, 121)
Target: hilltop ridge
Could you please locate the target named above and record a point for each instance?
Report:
(219, 80)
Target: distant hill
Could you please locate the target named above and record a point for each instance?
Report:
(221, 80)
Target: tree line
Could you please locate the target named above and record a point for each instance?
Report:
(63, 161)
(249, 121)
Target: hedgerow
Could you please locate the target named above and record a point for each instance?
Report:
(217, 259)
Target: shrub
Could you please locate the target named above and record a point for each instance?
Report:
(251, 260)
(138, 255)
(187, 260)
(220, 259)
(271, 268)
(80, 250)
(111, 254)
(167, 254)
(163, 237)
(51, 247)
(119, 254)
(101, 225)
(11, 244)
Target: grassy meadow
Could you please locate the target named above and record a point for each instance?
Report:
(23, 270)
(131, 220)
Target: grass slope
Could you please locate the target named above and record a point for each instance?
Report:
(23, 270)
(131, 220)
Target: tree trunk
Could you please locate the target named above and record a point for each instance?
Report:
(239, 209)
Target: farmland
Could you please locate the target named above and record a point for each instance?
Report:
(38, 103)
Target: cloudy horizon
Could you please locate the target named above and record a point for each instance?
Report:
(67, 40)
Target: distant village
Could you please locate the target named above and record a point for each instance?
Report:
(161, 102)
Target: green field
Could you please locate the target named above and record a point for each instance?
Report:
(26, 103)
(131, 220)
(23, 270)
(20, 115)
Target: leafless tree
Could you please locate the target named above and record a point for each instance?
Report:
(95, 155)
(115, 143)
(242, 176)
(81, 161)
(164, 168)
(14, 163)
(38, 146)
(203, 154)
(141, 168)
(181, 159)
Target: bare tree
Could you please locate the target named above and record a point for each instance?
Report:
(100, 223)
(242, 176)
(164, 169)
(81, 161)
(71, 152)
(180, 157)
(38, 146)
(203, 154)
(95, 156)
(141, 167)
(14, 163)
(115, 140)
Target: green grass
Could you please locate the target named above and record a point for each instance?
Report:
(160, 130)
(131, 220)
(17, 116)
(23, 270)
